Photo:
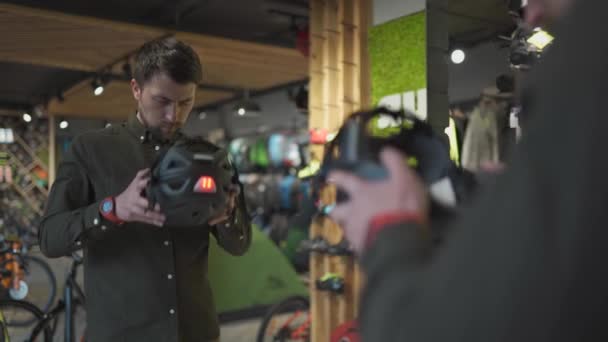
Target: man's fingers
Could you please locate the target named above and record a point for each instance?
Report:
(142, 173)
(347, 181)
(142, 183)
(148, 220)
(142, 203)
(394, 161)
(231, 201)
(220, 219)
(147, 216)
(235, 189)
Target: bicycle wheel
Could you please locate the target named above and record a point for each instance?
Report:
(19, 311)
(41, 282)
(288, 320)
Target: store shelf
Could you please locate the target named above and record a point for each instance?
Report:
(24, 200)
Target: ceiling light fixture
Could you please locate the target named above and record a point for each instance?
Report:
(64, 124)
(458, 56)
(247, 106)
(27, 117)
(98, 86)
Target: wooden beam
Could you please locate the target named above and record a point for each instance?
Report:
(50, 38)
(81, 43)
(17, 10)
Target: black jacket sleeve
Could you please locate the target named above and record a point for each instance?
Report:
(70, 210)
(526, 262)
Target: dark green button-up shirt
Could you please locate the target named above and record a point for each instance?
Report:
(142, 283)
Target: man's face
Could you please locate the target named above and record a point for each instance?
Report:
(163, 103)
(544, 12)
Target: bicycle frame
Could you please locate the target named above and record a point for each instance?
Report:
(72, 296)
(4, 333)
(68, 297)
(301, 331)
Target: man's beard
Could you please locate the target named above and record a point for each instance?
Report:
(160, 132)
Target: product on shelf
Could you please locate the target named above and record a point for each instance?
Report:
(24, 178)
(331, 282)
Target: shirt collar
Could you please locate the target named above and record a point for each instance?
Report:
(141, 132)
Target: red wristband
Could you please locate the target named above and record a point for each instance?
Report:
(385, 220)
(107, 208)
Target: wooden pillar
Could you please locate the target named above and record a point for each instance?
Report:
(339, 85)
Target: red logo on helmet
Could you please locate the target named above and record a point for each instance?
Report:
(205, 184)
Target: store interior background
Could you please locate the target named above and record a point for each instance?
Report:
(474, 27)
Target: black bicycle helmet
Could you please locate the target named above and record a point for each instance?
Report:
(364, 134)
(191, 180)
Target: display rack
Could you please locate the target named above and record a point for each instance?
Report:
(24, 198)
(339, 85)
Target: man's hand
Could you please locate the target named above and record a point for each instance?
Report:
(403, 191)
(132, 207)
(230, 205)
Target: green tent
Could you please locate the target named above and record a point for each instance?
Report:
(262, 276)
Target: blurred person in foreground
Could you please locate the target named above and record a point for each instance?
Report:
(144, 281)
(527, 261)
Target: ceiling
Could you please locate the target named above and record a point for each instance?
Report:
(57, 47)
(56, 51)
(472, 22)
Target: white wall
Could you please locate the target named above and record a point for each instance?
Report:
(387, 10)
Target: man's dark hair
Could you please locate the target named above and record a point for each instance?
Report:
(171, 56)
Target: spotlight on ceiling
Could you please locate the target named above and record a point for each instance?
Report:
(27, 117)
(458, 56)
(246, 106)
(64, 124)
(98, 86)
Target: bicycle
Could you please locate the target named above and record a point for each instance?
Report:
(66, 308)
(288, 320)
(25, 277)
(17, 310)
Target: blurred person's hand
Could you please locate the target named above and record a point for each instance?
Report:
(402, 192)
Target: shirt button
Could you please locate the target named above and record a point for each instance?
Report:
(96, 221)
(171, 312)
(78, 243)
(104, 227)
(166, 243)
(169, 276)
(157, 147)
(142, 138)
